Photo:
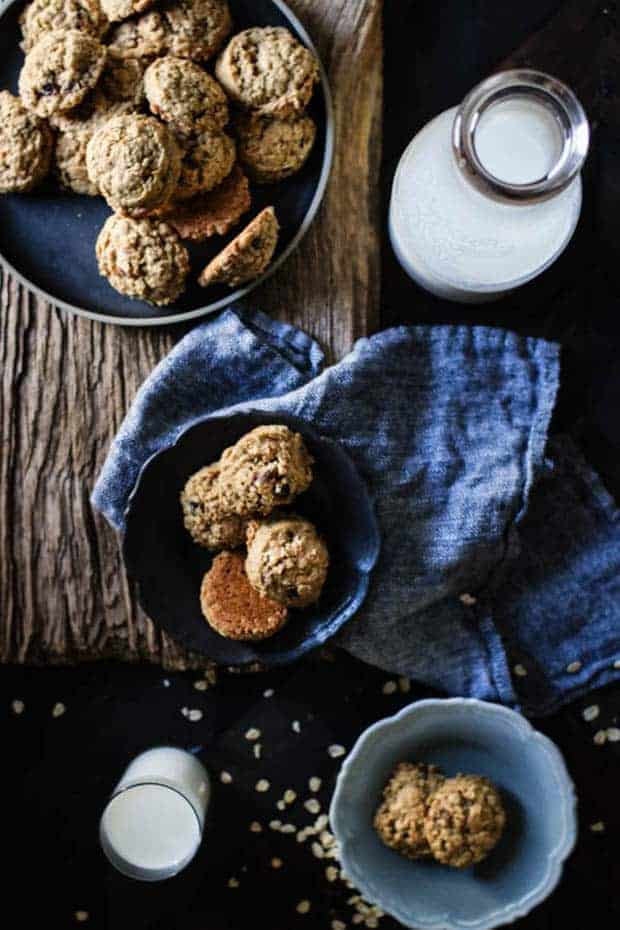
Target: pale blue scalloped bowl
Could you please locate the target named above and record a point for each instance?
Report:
(460, 735)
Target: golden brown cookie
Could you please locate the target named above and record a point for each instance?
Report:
(268, 71)
(72, 143)
(44, 16)
(214, 213)
(60, 70)
(267, 468)
(287, 560)
(464, 821)
(232, 607)
(196, 29)
(203, 514)
(399, 820)
(116, 10)
(273, 149)
(26, 144)
(143, 259)
(144, 37)
(185, 96)
(247, 256)
(207, 159)
(135, 162)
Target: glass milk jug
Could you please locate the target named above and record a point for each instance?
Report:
(488, 194)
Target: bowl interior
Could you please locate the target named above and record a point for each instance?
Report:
(169, 567)
(48, 237)
(471, 738)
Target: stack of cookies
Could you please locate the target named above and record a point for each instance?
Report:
(115, 96)
(456, 821)
(238, 502)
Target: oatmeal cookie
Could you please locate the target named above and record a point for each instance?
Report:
(144, 259)
(232, 607)
(44, 16)
(287, 560)
(122, 80)
(144, 37)
(207, 160)
(72, 145)
(60, 70)
(203, 515)
(184, 95)
(399, 820)
(25, 146)
(268, 71)
(135, 162)
(214, 213)
(196, 29)
(267, 468)
(247, 256)
(273, 149)
(465, 819)
(117, 10)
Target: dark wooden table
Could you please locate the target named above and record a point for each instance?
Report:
(58, 771)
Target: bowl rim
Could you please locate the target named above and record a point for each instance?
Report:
(524, 730)
(366, 567)
(239, 293)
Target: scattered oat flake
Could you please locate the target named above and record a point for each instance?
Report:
(275, 824)
(257, 748)
(303, 907)
(288, 828)
(268, 693)
(233, 882)
(81, 916)
(389, 687)
(262, 785)
(321, 822)
(336, 751)
(312, 806)
(303, 835)
(252, 734)
(58, 709)
(289, 796)
(468, 599)
(520, 671)
(600, 737)
(598, 827)
(18, 707)
(613, 734)
(194, 715)
(255, 827)
(591, 713)
(281, 804)
(404, 685)
(296, 726)
(331, 873)
(573, 667)
(226, 778)
(276, 863)
(317, 850)
(338, 925)
(314, 784)
(201, 684)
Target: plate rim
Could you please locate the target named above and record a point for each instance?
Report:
(208, 309)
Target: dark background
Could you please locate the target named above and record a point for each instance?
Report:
(58, 772)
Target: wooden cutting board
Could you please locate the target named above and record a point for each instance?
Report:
(67, 383)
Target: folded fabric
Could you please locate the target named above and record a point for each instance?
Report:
(448, 426)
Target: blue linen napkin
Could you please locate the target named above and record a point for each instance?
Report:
(448, 426)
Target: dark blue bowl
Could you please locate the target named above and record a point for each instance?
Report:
(47, 238)
(169, 567)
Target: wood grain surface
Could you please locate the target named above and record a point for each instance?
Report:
(67, 383)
